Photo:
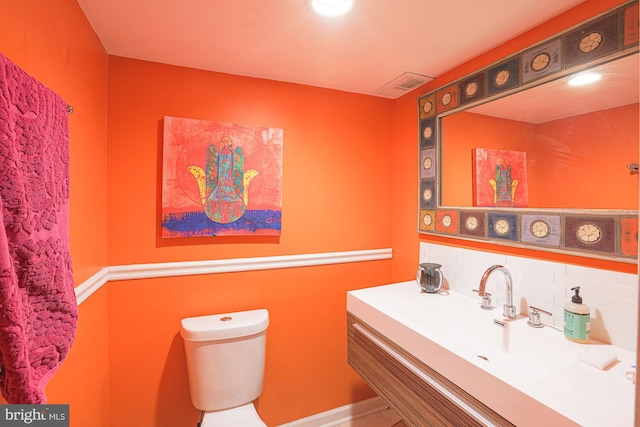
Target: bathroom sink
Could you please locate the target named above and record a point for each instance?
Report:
(504, 347)
(504, 363)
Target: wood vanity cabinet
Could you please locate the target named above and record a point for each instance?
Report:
(420, 395)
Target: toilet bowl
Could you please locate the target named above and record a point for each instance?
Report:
(225, 356)
(242, 416)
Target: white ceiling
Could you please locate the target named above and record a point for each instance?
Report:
(284, 40)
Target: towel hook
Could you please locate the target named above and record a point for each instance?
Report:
(633, 168)
(69, 109)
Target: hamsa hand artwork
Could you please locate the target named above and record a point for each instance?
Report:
(210, 185)
(224, 186)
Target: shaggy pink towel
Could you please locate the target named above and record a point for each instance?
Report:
(38, 307)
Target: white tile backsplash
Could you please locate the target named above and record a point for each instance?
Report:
(611, 296)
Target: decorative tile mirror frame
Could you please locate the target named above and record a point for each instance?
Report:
(596, 233)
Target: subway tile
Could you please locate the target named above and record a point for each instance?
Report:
(589, 273)
(629, 306)
(602, 300)
(622, 291)
(626, 279)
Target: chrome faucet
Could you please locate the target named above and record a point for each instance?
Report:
(509, 310)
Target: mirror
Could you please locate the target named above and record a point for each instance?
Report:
(508, 155)
(577, 140)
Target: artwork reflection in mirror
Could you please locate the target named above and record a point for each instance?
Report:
(500, 178)
(578, 141)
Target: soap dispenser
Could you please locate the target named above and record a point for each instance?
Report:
(577, 319)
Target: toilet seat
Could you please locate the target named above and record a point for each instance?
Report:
(245, 416)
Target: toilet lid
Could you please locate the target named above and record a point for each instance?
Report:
(216, 327)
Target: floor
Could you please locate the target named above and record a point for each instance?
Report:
(384, 418)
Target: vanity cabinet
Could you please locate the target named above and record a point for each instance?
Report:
(419, 394)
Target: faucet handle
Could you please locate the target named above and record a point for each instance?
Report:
(486, 300)
(535, 320)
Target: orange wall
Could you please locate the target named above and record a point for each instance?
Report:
(53, 41)
(336, 196)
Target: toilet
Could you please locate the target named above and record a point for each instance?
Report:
(225, 363)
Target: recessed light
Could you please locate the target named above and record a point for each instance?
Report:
(584, 78)
(332, 7)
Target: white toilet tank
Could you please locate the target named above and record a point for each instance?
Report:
(225, 358)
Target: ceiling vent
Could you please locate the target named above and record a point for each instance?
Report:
(402, 84)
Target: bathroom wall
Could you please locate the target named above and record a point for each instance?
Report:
(336, 197)
(52, 41)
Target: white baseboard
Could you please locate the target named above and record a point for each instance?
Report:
(341, 415)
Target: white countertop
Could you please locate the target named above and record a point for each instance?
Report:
(531, 376)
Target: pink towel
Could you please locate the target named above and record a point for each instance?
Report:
(38, 307)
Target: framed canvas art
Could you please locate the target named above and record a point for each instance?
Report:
(220, 179)
(499, 178)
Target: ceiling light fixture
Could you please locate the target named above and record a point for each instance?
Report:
(584, 78)
(331, 7)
